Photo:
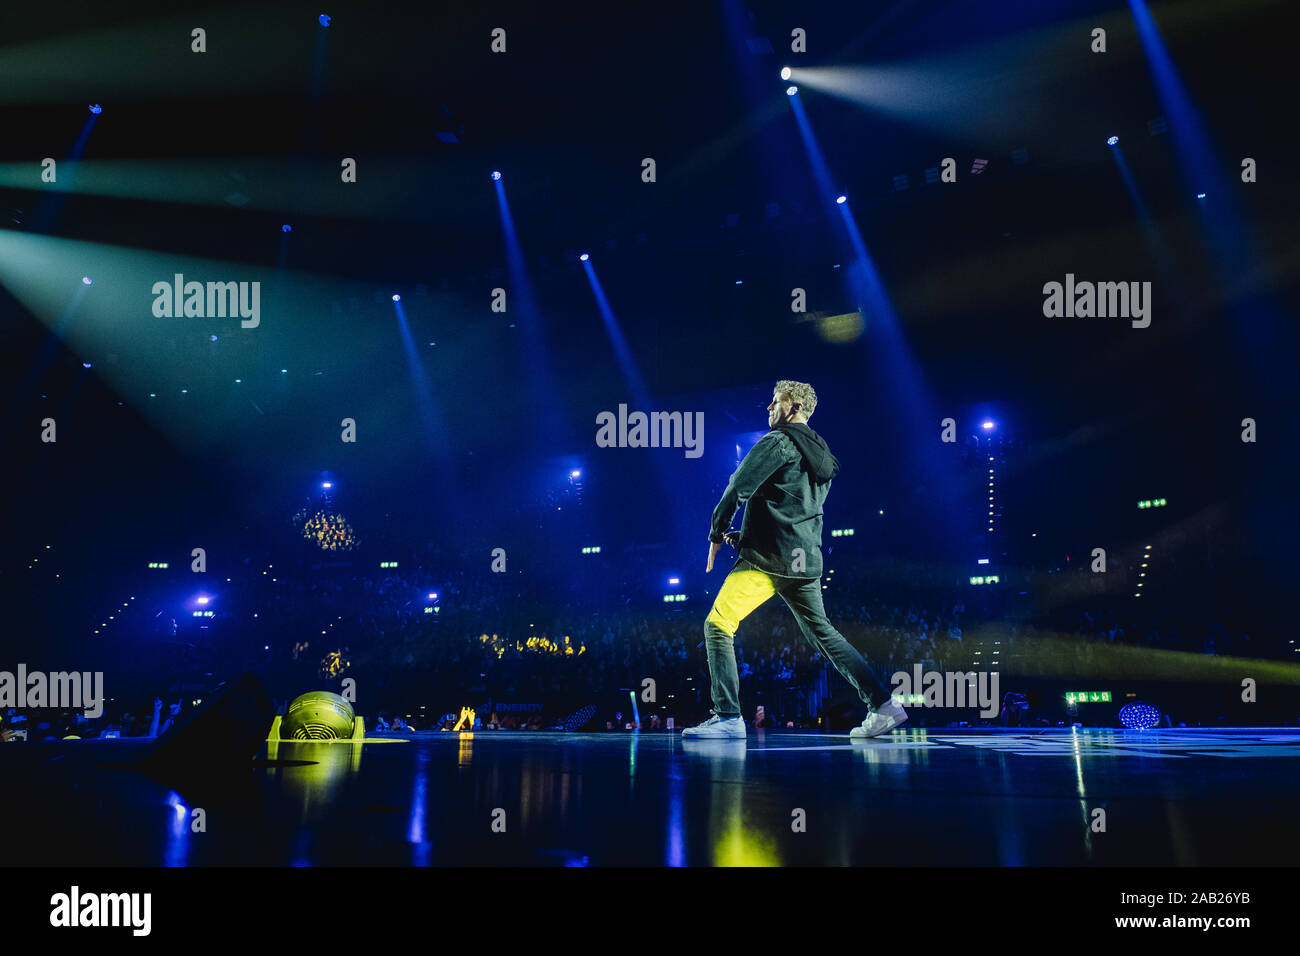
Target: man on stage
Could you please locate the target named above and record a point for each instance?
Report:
(783, 483)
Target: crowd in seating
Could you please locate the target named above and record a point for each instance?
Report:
(489, 639)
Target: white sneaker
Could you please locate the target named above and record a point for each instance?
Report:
(715, 726)
(881, 720)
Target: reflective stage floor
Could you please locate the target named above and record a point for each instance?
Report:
(916, 798)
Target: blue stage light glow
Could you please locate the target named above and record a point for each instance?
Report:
(1112, 141)
(96, 108)
(584, 257)
(785, 73)
(1200, 195)
(213, 338)
(576, 473)
(791, 90)
(85, 365)
(841, 200)
(1139, 716)
(323, 19)
(496, 174)
(327, 484)
(396, 297)
(286, 228)
(987, 426)
(85, 280)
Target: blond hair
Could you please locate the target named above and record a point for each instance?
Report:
(800, 393)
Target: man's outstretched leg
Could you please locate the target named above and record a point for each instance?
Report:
(744, 589)
(805, 602)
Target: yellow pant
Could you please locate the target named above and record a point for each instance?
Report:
(741, 593)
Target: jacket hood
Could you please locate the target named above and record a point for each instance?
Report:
(817, 457)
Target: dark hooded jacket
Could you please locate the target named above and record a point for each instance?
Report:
(783, 482)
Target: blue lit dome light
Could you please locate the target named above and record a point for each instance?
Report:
(1139, 716)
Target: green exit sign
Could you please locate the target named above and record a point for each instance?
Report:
(1088, 697)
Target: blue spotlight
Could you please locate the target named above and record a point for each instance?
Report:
(396, 297)
(841, 200)
(323, 19)
(575, 473)
(85, 280)
(96, 108)
(286, 228)
(1112, 141)
(327, 484)
(214, 338)
(785, 73)
(791, 90)
(85, 365)
(1139, 716)
(496, 174)
(988, 426)
(1200, 195)
(584, 257)
(674, 580)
